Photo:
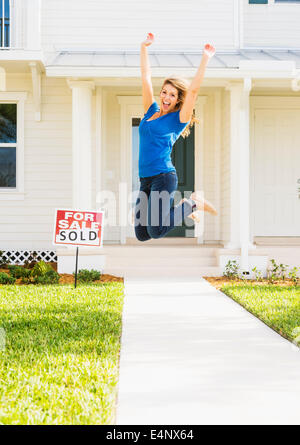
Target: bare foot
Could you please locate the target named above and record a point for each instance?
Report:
(196, 215)
(203, 204)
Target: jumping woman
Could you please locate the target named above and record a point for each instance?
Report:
(158, 131)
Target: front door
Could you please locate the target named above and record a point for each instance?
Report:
(276, 169)
(183, 160)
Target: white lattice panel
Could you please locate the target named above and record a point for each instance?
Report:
(20, 256)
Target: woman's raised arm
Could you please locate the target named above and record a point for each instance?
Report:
(191, 96)
(148, 97)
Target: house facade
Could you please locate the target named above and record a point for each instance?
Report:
(71, 103)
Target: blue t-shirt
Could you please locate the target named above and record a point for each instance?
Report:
(157, 138)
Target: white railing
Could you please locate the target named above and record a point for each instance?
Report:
(5, 24)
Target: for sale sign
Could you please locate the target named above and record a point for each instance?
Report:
(78, 227)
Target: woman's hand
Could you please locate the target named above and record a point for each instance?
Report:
(149, 40)
(209, 50)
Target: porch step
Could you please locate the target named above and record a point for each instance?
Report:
(159, 251)
(283, 241)
(160, 257)
(158, 260)
(166, 271)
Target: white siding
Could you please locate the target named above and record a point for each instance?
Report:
(272, 25)
(124, 24)
(28, 224)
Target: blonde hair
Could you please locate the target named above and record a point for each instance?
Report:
(181, 86)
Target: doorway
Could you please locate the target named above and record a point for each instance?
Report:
(183, 158)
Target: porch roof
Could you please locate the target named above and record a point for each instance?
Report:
(115, 63)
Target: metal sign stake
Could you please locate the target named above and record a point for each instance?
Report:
(76, 266)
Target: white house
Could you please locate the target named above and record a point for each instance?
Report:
(70, 104)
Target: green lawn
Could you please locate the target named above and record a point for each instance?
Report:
(278, 307)
(60, 361)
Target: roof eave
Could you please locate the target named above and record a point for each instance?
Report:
(129, 72)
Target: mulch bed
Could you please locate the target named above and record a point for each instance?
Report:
(219, 282)
(66, 278)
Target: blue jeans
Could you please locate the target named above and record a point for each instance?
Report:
(154, 215)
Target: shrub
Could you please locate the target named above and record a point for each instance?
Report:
(40, 269)
(50, 277)
(282, 270)
(273, 272)
(18, 271)
(231, 269)
(293, 275)
(86, 276)
(26, 280)
(258, 274)
(6, 279)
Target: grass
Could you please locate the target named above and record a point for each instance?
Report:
(60, 361)
(278, 307)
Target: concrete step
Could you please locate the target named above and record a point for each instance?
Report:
(160, 261)
(159, 251)
(167, 271)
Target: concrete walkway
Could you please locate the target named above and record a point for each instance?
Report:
(190, 355)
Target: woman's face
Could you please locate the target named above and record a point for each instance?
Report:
(168, 98)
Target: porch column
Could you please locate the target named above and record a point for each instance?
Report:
(81, 143)
(239, 170)
(199, 162)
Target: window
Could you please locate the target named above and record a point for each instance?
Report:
(4, 23)
(12, 145)
(265, 2)
(8, 145)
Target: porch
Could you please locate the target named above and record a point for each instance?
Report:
(176, 257)
(233, 161)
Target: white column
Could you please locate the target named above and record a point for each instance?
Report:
(81, 143)
(199, 162)
(239, 170)
(235, 105)
(245, 175)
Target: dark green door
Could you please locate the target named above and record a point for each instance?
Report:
(183, 160)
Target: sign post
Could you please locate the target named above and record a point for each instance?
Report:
(76, 267)
(78, 228)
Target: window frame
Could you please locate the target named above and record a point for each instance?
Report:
(273, 2)
(19, 98)
(3, 23)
